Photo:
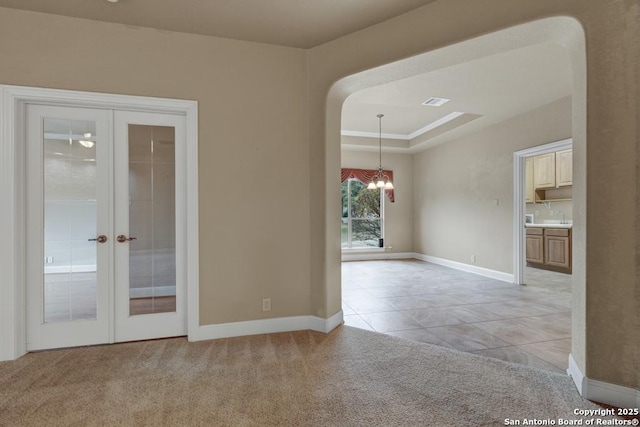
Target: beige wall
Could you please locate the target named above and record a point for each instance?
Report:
(606, 298)
(254, 236)
(398, 221)
(457, 184)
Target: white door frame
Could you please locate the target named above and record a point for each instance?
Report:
(519, 205)
(13, 99)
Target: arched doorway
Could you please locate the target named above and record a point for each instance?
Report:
(512, 38)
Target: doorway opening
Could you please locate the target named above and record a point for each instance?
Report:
(405, 300)
(542, 208)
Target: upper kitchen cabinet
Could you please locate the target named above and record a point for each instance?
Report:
(552, 170)
(564, 168)
(530, 196)
(544, 171)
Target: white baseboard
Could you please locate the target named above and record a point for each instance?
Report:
(53, 269)
(326, 325)
(603, 392)
(498, 275)
(159, 291)
(576, 374)
(266, 326)
(371, 256)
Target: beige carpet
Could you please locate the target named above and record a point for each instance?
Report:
(350, 377)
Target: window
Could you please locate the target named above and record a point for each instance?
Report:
(362, 215)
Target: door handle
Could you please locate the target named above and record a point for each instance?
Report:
(122, 238)
(100, 239)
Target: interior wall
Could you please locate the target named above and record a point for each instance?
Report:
(398, 216)
(463, 190)
(253, 155)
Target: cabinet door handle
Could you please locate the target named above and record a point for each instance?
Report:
(100, 239)
(122, 238)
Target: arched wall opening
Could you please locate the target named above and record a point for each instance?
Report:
(563, 31)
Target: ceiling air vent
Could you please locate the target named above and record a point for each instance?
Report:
(435, 102)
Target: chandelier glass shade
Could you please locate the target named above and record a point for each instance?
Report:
(380, 179)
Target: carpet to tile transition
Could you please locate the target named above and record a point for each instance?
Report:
(349, 377)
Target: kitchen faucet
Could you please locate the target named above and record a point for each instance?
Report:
(564, 219)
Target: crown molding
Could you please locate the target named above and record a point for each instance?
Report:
(441, 121)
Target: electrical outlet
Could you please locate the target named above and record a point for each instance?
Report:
(473, 259)
(266, 304)
(48, 260)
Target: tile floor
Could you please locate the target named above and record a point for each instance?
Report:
(426, 302)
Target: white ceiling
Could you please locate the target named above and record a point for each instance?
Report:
(294, 23)
(488, 90)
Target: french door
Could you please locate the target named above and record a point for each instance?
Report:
(104, 251)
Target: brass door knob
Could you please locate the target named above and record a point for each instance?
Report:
(100, 239)
(122, 238)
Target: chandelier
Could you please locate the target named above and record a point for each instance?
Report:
(380, 179)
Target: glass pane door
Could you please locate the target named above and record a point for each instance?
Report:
(152, 255)
(105, 253)
(150, 273)
(105, 243)
(67, 227)
(70, 216)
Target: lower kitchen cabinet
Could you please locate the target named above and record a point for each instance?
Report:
(535, 245)
(557, 247)
(549, 248)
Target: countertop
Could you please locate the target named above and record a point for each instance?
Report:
(549, 225)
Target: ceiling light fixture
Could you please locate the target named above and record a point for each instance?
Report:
(435, 101)
(380, 179)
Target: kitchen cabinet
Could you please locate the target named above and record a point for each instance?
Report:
(552, 174)
(549, 248)
(564, 168)
(535, 245)
(544, 171)
(557, 248)
(530, 193)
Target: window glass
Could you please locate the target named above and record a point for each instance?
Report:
(361, 225)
